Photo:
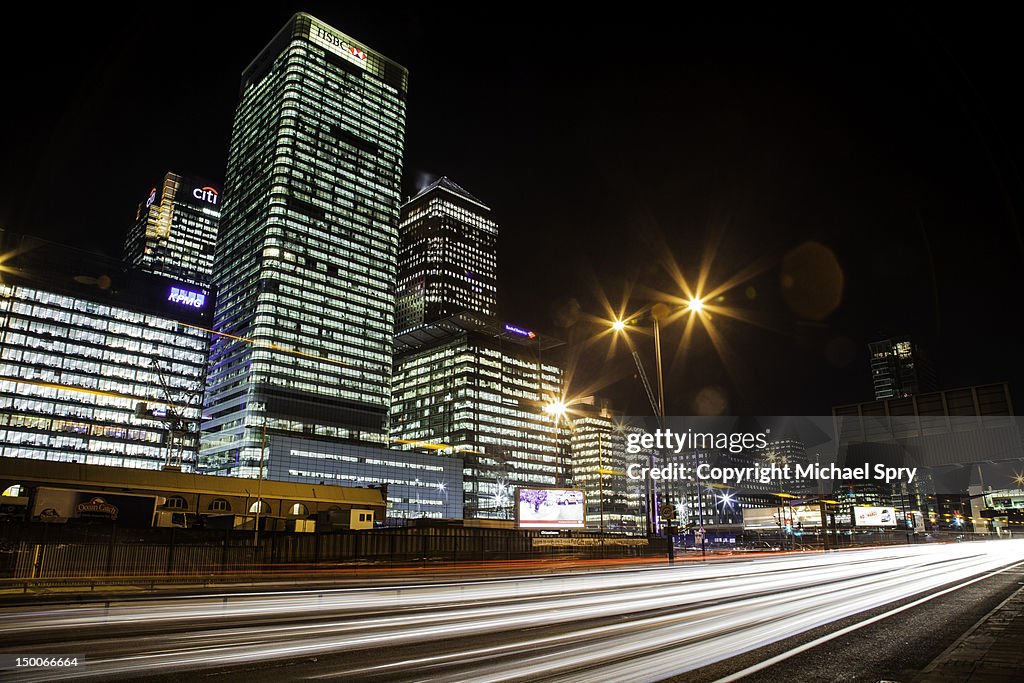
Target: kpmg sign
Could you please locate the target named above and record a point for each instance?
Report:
(520, 331)
(187, 297)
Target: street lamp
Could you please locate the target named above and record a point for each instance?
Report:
(557, 409)
(619, 326)
(657, 312)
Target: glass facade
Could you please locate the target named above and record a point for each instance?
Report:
(481, 395)
(419, 485)
(104, 365)
(791, 452)
(175, 230)
(447, 257)
(599, 465)
(900, 368)
(306, 259)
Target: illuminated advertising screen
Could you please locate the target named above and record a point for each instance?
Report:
(874, 516)
(550, 509)
(803, 516)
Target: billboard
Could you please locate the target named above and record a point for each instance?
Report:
(60, 505)
(803, 516)
(874, 516)
(550, 509)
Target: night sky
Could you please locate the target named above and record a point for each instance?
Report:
(607, 145)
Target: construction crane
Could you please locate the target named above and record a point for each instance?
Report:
(182, 431)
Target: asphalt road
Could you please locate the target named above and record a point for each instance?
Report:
(690, 622)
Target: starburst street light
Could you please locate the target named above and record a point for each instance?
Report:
(557, 408)
(658, 312)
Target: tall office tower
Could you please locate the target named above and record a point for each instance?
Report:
(900, 368)
(100, 363)
(614, 501)
(793, 454)
(306, 258)
(175, 230)
(478, 388)
(447, 260)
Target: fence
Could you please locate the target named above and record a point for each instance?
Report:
(52, 551)
(42, 551)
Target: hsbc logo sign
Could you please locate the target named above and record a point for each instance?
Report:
(337, 44)
(206, 194)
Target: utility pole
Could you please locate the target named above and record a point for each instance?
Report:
(259, 486)
(600, 474)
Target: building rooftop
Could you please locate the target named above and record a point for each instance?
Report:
(449, 185)
(429, 334)
(134, 480)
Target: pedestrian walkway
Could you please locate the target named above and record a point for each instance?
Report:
(991, 652)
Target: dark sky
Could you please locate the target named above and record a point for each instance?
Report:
(606, 145)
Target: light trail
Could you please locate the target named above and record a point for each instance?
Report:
(636, 625)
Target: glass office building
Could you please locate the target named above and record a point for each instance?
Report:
(477, 388)
(418, 485)
(306, 258)
(447, 256)
(791, 452)
(900, 368)
(599, 467)
(100, 363)
(175, 230)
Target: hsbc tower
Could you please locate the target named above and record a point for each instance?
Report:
(306, 259)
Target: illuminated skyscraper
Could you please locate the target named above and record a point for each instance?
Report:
(447, 258)
(477, 388)
(100, 363)
(175, 230)
(599, 467)
(306, 259)
(900, 368)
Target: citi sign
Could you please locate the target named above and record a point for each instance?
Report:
(187, 297)
(206, 194)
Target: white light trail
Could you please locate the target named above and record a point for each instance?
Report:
(633, 625)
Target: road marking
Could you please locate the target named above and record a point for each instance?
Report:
(853, 627)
